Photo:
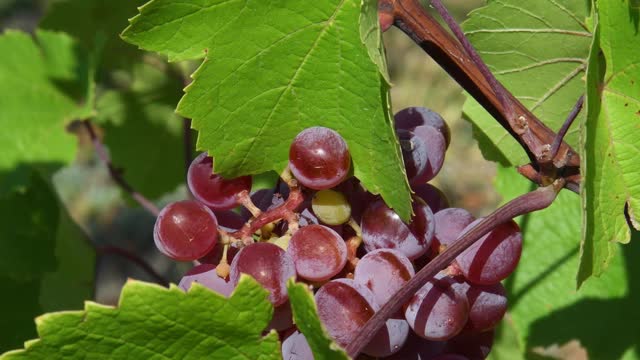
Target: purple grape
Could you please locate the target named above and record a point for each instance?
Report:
(487, 304)
(433, 196)
(185, 230)
(474, 346)
(263, 199)
(229, 221)
(205, 274)
(318, 252)
(282, 318)
(449, 225)
(412, 117)
(213, 190)
(423, 151)
(383, 271)
(437, 311)
(345, 306)
(382, 228)
(296, 347)
(319, 158)
(417, 348)
(269, 265)
(494, 257)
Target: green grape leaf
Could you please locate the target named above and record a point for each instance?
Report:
(610, 150)
(538, 50)
(96, 23)
(153, 322)
(46, 261)
(305, 315)
(45, 84)
(544, 305)
(142, 131)
(272, 69)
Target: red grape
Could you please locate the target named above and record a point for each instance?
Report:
(383, 271)
(494, 257)
(269, 265)
(319, 158)
(205, 274)
(318, 252)
(449, 225)
(437, 311)
(296, 347)
(433, 196)
(213, 190)
(412, 117)
(185, 230)
(382, 228)
(487, 304)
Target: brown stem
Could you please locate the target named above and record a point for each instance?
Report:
(278, 213)
(533, 135)
(527, 203)
(116, 174)
(565, 127)
(113, 250)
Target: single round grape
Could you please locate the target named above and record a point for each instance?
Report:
(390, 339)
(213, 190)
(437, 311)
(474, 346)
(435, 148)
(296, 347)
(318, 252)
(319, 158)
(449, 225)
(494, 256)
(414, 155)
(433, 196)
(345, 306)
(185, 230)
(282, 318)
(205, 274)
(331, 207)
(383, 271)
(382, 228)
(412, 117)
(487, 304)
(417, 348)
(269, 265)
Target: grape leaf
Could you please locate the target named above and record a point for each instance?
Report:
(46, 261)
(611, 137)
(305, 315)
(538, 50)
(96, 22)
(273, 68)
(45, 82)
(545, 306)
(152, 322)
(142, 131)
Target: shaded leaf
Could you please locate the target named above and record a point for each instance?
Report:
(544, 305)
(538, 50)
(46, 261)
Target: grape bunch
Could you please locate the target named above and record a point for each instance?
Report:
(320, 226)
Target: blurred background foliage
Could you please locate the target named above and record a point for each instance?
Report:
(110, 218)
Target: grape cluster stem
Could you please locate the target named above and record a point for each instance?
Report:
(532, 201)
